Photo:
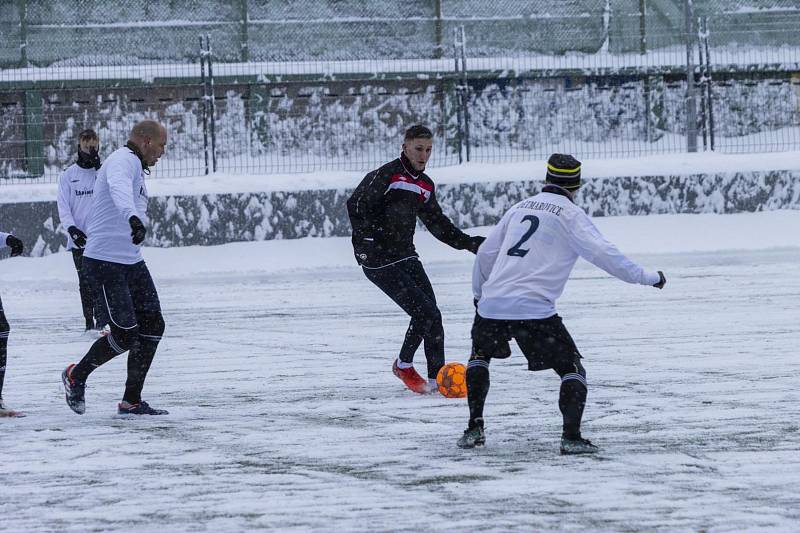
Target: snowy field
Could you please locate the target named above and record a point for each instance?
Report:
(285, 415)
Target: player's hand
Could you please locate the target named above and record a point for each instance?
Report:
(475, 243)
(77, 236)
(661, 281)
(15, 245)
(138, 231)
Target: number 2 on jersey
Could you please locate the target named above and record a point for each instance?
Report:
(516, 251)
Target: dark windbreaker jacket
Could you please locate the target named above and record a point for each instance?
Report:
(383, 212)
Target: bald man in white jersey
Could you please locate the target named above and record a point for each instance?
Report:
(113, 263)
(520, 271)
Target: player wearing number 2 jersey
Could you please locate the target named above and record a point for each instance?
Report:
(520, 271)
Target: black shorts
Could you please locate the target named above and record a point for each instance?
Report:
(546, 343)
(126, 292)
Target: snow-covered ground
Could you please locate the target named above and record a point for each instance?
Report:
(285, 415)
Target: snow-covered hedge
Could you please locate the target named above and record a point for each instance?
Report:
(219, 218)
(286, 127)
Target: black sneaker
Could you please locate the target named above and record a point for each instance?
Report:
(577, 446)
(473, 435)
(141, 408)
(74, 390)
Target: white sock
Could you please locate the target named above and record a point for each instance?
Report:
(403, 365)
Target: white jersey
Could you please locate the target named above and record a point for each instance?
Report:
(75, 198)
(522, 267)
(3, 237)
(119, 193)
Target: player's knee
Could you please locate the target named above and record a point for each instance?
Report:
(579, 368)
(570, 367)
(476, 360)
(477, 374)
(433, 322)
(121, 340)
(429, 324)
(573, 374)
(152, 325)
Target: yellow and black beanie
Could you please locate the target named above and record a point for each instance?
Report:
(564, 170)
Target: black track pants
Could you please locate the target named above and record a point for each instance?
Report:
(407, 284)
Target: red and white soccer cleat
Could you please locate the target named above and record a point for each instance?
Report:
(410, 379)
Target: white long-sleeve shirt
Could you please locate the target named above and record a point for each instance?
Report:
(522, 267)
(119, 193)
(3, 237)
(75, 187)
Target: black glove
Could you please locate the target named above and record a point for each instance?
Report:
(661, 281)
(77, 236)
(138, 230)
(474, 243)
(15, 245)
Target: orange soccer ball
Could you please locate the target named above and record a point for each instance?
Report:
(452, 380)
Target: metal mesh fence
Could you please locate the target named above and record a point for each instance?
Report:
(305, 85)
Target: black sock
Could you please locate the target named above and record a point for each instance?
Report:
(3, 346)
(99, 354)
(571, 401)
(411, 342)
(434, 351)
(139, 360)
(477, 388)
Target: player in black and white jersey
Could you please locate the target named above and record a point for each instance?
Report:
(75, 188)
(520, 271)
(16, 245)
(383, 212)
(117, 272)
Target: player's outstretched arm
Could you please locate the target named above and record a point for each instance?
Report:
(443, 228)
(590, 244)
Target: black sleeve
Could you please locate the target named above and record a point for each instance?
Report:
(365, 205)
(442, 227)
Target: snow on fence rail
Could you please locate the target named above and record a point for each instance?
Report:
(624, 94)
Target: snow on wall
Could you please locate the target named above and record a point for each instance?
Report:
(219, 218)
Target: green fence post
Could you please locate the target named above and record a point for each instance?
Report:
(34, 133)
(646, 77)
(22, 7)
(437, 29)
(243, 23)
(691, 94)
